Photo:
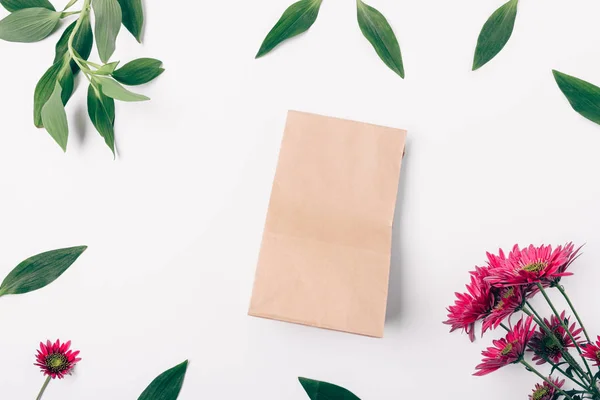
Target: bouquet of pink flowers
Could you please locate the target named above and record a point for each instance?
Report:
(502, 290)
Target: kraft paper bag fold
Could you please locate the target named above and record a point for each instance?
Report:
(326, 248)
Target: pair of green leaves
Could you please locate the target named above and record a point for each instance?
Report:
(167, 385)
(40, 270)
(317, 390)
(300, 16)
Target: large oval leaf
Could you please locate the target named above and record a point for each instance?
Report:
(40, 270)
(298, 18)
(317, 390)
(133, 17)
(29, 25)
(14, 5)
(167, 385)
(379, 33)
(495, 33)
(82, 42)
(108, 24)
(583, 96)
(113, 89)
(54, 118)
(101, 110)
(58, 72)
(138, 72)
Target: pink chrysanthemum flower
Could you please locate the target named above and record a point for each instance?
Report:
(56, 360)
(545, 391)
(472, 306)
(508, 350)
(531, 265)
(483, 302)
(592, 352)
(547, 347)
(507, 301)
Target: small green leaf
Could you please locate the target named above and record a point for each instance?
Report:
(297, 19)
(101, 110)
(29, 25)
(113, 89)
(14, 5)
(54, 118)
(57, 72)
(82, 42)
(139, 71)
(495, 33)
(317, 390)
(40, 270)
(108, 24)
(133, 17)
(167, 385)
(107, 69)
(583, 96)
(379, 33)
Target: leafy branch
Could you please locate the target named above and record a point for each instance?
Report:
(34, 20)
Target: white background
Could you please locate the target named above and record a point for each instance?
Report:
(494, 157)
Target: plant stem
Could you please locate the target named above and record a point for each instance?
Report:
(562, 291)
(85, 10)
(69, 13)
(71, 3)
(566, 328)
(44, 386)
(529, 310)
(529, 367)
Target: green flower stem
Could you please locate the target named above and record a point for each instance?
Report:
(529, 310)
(530, 368)
(85, 10)
(67, 14)
(71, 3)
(44, 386)
(566, 328)
(562, 291)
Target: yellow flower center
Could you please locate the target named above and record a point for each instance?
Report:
(507, 349)
(535, 267)
(540, 393)
(56, 362)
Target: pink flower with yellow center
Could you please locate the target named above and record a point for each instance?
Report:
(592, 352)
(56, 360)
(531, 265)
(546, 391)
(508, 350)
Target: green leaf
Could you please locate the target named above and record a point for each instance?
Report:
(297, 19)
(54, 118)
(107, 69)
(14, 5)
(108, 24)
(82, 42)
(133, 17)
(58, 72)
(495, 33)
(101, 110)
(139, 71)
(379, 33)
(29, 25)
(317, 390)
(583, 96)
(40, 270)
(167, 385)
(113, 89)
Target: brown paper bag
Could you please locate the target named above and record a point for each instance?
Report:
(325, 254)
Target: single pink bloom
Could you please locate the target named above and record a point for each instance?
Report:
(545, 391)
(592, 352)
(56, 360)
(508, 350)
(531, 265)
(545, 346)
